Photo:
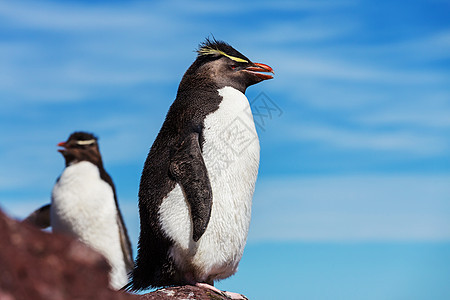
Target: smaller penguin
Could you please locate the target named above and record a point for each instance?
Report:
(84, 205)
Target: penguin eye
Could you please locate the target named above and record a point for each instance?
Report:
(233, 67)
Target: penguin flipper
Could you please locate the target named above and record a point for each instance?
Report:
(40, 217)
(189, 170)
(125, 244)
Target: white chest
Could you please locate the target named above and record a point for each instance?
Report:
(83, 206)
(231, 155)
(80, 200)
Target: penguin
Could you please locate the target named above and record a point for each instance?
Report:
(84, 205)
(198, 180)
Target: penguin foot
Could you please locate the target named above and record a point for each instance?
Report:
(229, 295)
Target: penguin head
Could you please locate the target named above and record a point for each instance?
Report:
(228, 67)
(81, 146)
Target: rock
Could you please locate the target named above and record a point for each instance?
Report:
(37, 265)
(183, 292)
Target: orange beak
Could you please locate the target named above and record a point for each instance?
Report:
(257, 68)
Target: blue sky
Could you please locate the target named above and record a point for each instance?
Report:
(357, 154)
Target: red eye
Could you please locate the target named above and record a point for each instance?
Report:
(233, 67)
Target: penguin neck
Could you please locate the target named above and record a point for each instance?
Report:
(205, 79)
(196, 97)
(71, 160)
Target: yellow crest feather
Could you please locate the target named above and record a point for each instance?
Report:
(212, 51)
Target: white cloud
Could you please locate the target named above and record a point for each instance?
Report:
(437, 119)
(310, 65)
(352, 208)
(79, 49)
(55, 16)
(208, 7)
(433, 46)
(406, 142)
(305, 31)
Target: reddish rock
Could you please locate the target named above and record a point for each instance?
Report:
(39, 265)
(183, 292)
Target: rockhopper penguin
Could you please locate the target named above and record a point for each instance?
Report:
(198, 180)
(84, 205)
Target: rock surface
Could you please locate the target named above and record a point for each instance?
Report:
(183, 292)
(39, 265)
